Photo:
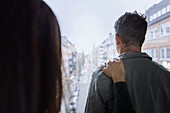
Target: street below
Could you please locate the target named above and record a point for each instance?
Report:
(84, 86)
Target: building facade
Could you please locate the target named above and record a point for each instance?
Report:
(157, 42)
(68, 57)
(68, 67)
(104, 52)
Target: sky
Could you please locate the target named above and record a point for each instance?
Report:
(87, 23)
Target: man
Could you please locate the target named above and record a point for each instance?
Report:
(148, 82)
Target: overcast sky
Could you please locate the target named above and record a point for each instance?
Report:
(87, 23)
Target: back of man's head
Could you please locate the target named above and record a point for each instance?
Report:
(131, 28)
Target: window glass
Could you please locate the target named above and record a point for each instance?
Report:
(153, 53)
(155, 33)
(161, 30)
(155, 16)
(151, 34)
(163, 11)
(168, 52)
(168, 8)
(168, 30)
(162, 53)
(151, 18)
(159, 13)
(156, 51)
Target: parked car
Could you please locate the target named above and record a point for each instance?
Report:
(77, 88)
(76, 93)
(73, 100)
(73, 104)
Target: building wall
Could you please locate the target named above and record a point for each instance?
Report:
(158, 12)
(104, 52)
(68, 58)
(157, 43)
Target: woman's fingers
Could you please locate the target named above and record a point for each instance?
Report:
(102, 67)
(116, 59)
(106, 70)
(115, 70)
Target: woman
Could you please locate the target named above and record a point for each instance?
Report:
(116, 71)
(30, 58)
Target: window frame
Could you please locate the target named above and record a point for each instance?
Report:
(165, 53)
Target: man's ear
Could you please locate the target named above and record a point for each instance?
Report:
(117, 38)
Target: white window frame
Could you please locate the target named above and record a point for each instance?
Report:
(151, 18)
(168, 30)
(163, 10)
(168, 8)
(164, 26)
(151, 34)
(159, 13)
(149, 52)
(160, 30)
(165, 53)
(155, 16)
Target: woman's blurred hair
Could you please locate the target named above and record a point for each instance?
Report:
(30, 58)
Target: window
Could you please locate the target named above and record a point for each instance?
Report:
(154, 16)
(151, 18)
(155, 33)
(168, 8)
(165, 53)
(164, 29)
(163, 11)
(151, 52)
(65, 57)
(151, 34)
(168, 30)
(162, 53)
(159, 13)
(70, 56)
(168, 52)
(161, 30)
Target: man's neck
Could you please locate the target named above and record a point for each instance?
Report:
(131, 48)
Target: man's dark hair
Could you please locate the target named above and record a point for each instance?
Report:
(131, 27)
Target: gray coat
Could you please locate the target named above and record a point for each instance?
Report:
(148, 84)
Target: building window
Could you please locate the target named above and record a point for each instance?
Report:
(165, 53)
(155, 33)
(164, 29)
(151, 52)
(162, 53)
(151, 34)
(161, 30)
(156, 53)
(163, 11)
(168, 52)
(159, 13)
(151, 18)
(168, 30)
(168, 8)
(154, 16)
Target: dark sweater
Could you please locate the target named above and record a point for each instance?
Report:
(123, 102)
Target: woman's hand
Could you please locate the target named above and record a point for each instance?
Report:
(115, 70)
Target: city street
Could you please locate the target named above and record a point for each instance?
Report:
(84, 86)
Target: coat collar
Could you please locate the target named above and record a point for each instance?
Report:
(133, 54)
